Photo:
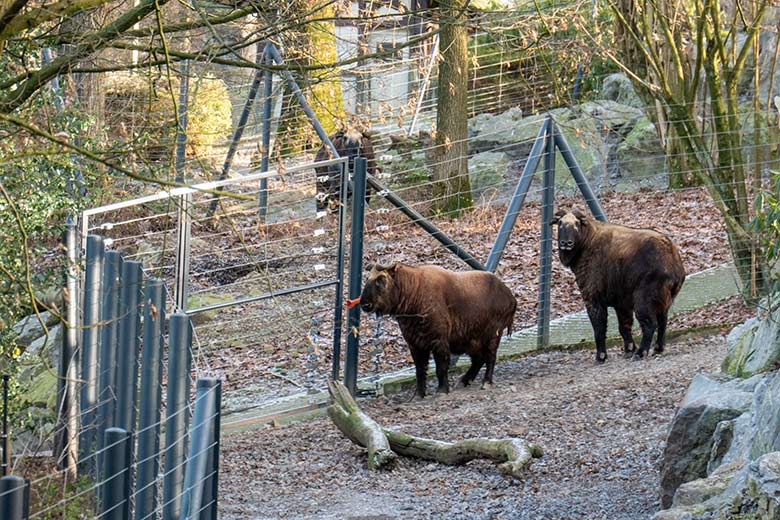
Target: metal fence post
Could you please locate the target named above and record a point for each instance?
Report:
(90, 343)
(5, 439)
(545, 253)
(12, 497)
(114, 489)
(211, 487)
(66, 450)
(579, 177)
(268, 81)
(127, 354)
(338, 310)
(112, 269)
(151, 396)
(177, 416)
(200, 435)
(355, 272)
(184, 229)
(518, 198)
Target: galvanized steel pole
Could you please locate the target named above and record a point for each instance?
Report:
(355, 273)
(338, 314)
(268, 80)
(545, 253)
(127, 355)
(211, 487)
(151, 397)
(90, 345)
(177, 412)
(112, 275)
(200, 436)
(114, 492)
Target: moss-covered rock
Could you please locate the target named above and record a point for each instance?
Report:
(754, 346)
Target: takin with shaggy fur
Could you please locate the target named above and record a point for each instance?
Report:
(348, 144)
(632, 270)
(442, 312)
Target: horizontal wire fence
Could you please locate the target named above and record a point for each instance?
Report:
(265, 348)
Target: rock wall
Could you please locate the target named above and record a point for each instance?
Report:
(722, 455)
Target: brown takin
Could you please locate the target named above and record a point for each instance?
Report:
(348, 144)
(443, 312)
(632, 270)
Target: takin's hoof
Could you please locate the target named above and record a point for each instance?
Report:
(416, 397)
(462, 384)
(487, 385)
(658, 351)
(638, 356)
(601, 358)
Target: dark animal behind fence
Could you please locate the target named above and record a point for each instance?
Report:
(633, 270)
(443, 312)
(348, 144)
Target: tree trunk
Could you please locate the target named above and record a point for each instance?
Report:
(450, 172)
(383, 444)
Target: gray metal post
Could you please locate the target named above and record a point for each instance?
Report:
(338, 308)
(112, 275)
(518, 198)
(211, 487)
(183, 235)
(355, 273)
(12, 497)
(114, 489)
(177, 412)
(579, 176)
(200, 435)
(127, 354)
(5, 441)
(268, 81)
(181, 130)
(67, 402)
(90, 344)
(545, 253)
(151, 397)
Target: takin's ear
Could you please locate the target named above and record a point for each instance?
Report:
(557, 218)
(582, 217)
(369, 267)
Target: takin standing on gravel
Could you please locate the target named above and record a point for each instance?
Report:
(443, 312)
(632, 270)
(350, 143)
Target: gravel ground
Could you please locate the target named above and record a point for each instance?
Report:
(602, 428)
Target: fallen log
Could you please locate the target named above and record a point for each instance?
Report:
(358, 427)
(513, 454)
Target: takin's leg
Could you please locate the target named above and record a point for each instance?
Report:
(421, 358)
(476, 364)
(648, 322)
(491, 350)
(661, 339)
(442, 358)
(625, 323)
(598, 319)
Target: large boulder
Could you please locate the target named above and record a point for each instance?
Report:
(640, 154)
(29, 328)
(708, 402)
(754, 346)
(762, 494)
(765, 424)
(618, 87)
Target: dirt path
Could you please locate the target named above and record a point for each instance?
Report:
(602, 428)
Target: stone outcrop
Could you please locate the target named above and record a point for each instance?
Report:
(722, 455)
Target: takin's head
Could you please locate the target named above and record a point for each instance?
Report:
(570, 230)
(381, 294)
